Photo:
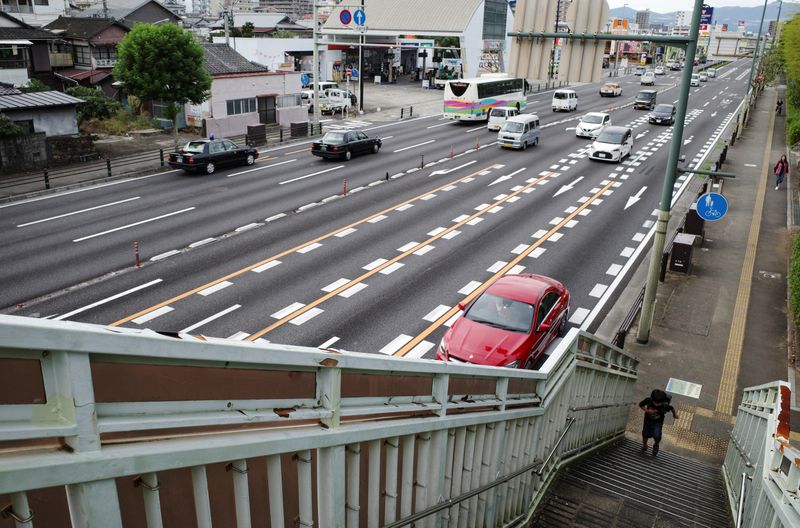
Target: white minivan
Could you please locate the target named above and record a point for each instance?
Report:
(498, 116)
(565, 100)
(519, 131)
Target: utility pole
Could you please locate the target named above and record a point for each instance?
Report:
(755, 53)
(649, 302)
(361, 41)
(315, 66)
(777, 23)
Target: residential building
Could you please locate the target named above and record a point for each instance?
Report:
(265, 24)
(643, 19)
(36, 13)
(129, 12)
(773, 25)
(93, 45)
(52, 113)
(683, 19)
(294, 8)
(24, 52)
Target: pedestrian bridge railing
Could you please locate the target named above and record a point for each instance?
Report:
(106, 427)
(761, 469)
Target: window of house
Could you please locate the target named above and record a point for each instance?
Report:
(13, 57)
(282, 101)
(41, 2)
(26, 125)
(105, 53)
(241, 106)
(82, 55)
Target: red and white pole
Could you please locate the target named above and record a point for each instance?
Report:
(344, 190)
(136, 262)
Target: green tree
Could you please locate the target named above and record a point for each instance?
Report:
(8, 128)
(247, 29)
(35, 85)
(97, 105)
(163, 63)
(282, 33)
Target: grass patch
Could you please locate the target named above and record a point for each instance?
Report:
(120, 123)
(794, 280)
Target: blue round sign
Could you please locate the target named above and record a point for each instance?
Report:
(345, 17)
(304, 78)
(360, 17)
(712, 206)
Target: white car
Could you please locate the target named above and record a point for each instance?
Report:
(592, 124)
(659, 70)
(648, 79)
(613, 144)
(703, 77)
(712, 72)
(695, 80)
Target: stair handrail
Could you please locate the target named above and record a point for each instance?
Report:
(570, 421)
(600, 406)
(747, 461)
(745, 477)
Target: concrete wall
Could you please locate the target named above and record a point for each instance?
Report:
(23, 153)
(230, 126)
(53, 121)
(226, 88)
(292, 114)
(16, 76)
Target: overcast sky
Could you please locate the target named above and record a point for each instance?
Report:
(681, 5)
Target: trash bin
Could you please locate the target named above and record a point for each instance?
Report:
(257, 134)
(299, 129)
(694, 224)
(681, 256)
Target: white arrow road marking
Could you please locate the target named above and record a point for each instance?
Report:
(688, 140)
(447, 171)
(636, 197)
(643, 134)
(506, 177)
(568, 187)
(712, 115)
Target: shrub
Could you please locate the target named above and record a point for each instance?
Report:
(35, 85)
(794, 280)
(792, 124)
(8, 128)
(97, 106)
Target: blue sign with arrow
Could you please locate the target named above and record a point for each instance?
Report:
(712, 206)
(304, 79)
(360, 17)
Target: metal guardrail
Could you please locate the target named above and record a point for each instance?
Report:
(425, 431)
(622, 332)
(759, 451)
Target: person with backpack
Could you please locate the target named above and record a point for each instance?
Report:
(655, 408)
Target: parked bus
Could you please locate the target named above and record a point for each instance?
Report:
(472, 99)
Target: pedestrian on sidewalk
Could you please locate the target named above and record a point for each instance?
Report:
(655, 408)
(778, 107)
(781, 170)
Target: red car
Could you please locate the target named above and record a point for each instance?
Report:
(510, 324)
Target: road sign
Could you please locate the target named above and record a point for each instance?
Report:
(360, 17)
(707, 14)
(712, 206)
(304, 79)
(345, 17)
(354, 73)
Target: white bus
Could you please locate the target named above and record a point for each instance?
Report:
(473, 99)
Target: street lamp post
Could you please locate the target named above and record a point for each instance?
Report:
(755, 53)
(315, 67)
(648, 304)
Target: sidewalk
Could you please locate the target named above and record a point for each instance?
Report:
(723, 326)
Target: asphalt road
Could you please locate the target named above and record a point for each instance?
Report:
(274, 252)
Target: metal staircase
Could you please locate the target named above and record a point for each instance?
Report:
(622, 487)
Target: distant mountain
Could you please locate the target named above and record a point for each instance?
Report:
(722, 15)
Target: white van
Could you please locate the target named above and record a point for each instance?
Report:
(519, 131)
(566, 100)
(498, 116)
(336, 100)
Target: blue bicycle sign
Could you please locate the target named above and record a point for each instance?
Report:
(712, 206)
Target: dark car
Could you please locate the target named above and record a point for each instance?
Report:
(206, 155)
(344, 144)
(663, 114)
(646, 100)
(511, 324)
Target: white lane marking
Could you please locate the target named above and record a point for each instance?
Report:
(164, 255)
(519, 249)
(452, 320)
(134, 224)
(470, 287)
(441, 124)
(265, 267)
(436, 313)
(310, 175)
(310, 247)
(377, 219)
(215, 288)
(638, 237)
(387, 137)
(202, 242)
(557, 220)
(598, 290)
(352, 290)
(427, 197)
(346, 232)
(106, 300)
(79, 212)
(539, 234)
(415, 146)
(239, 336)
(627, 252)
(374, 264)
(247, 227)
(92, 188)
(420, 350)
(209, 319)
(475, 221)
(335, 285)
(579, 315)
(750, 165)
(495, 209)
(436, 231)
(515, 270)
(404, 207)
(448, 171)
(536, 253)
(152, 315)
(461, 218)
(292, 308)
(555, 237)
(497, 266)
(614, 269)
(451, 234)
(406, 247)
(476, 128)
(391, 268)
(395, 344)
(329, 342)
(310, 314)
(260, 168)
(275, 217)
(424, 249)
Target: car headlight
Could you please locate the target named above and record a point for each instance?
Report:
(513, 364)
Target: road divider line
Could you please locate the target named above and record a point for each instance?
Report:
(260, 264)
(128, 226)
(79, 212)
(260, 168)
(415, 146)
(310, 175)
(405, 349)
(207, 320)
(440, 124)
(106, 300)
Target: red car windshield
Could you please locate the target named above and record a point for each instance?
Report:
(502, 313)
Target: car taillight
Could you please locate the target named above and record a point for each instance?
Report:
(189, 159)
(334, 149)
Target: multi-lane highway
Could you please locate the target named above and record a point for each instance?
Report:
(274, 252)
